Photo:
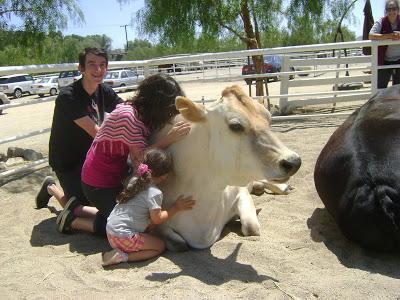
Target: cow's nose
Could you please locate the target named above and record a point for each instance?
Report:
(290, 164)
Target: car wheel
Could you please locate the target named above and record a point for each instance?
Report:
(122, 85)
(53, 92)
(1, 103)
(17, 93)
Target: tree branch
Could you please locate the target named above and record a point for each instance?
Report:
(235, 32)
(2, 12)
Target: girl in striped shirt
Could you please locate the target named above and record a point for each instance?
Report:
(124, 133)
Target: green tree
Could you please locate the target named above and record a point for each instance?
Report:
(246, 19)
(39, 15)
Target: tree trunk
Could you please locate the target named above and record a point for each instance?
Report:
(252, 44)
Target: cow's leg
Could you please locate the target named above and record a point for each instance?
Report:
(173, 241)
(243, 206)
(258, 187)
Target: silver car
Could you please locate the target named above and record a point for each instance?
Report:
(46, 85)
(122, 78)
(16, 85)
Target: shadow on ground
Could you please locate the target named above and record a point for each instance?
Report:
(211, 270)
(324, 229)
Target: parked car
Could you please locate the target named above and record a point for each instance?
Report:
(67, 77)
(3, 100)
(45, 85)
(121, 78)
(272, 64)
(16, 85)
(169, 68)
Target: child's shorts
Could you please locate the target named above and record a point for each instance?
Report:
(126, 244)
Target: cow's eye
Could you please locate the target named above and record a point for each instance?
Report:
(236, 126)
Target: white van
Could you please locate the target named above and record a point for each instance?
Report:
(16, 85)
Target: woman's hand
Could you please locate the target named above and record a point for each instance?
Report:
(395, 35)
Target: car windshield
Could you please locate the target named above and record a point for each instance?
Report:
(131, 73)
(272, 59)
(43, 80)
(3, 80)
(69, 74)
(111, 75)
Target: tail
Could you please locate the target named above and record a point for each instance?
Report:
(371, 217)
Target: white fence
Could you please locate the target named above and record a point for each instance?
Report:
(325, 65)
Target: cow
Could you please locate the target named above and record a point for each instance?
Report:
(229, 145)
(357, 173)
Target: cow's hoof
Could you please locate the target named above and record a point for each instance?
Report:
(258, 188)
(251, 229)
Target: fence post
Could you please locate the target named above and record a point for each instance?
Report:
(146, 71)
(374, 68)
(283, 102)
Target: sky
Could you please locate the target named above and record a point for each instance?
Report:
(108, 19)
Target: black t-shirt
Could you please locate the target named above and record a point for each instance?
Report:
(69, 143)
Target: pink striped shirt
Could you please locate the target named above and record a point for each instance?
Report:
(106, 161)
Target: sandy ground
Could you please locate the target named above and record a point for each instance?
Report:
(300, 254)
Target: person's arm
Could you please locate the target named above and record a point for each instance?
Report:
(159, 216)
(178, 132)
(384, 36)
(88, 125)
(136, 155)
(375, 33)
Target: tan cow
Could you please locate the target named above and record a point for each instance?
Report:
(230, 144)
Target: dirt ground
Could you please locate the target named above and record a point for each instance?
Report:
(300, 254)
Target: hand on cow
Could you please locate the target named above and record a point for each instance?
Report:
(178, 132)
(184, 203)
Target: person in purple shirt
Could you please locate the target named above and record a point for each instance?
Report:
(386, 28)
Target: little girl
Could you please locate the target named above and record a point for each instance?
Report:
(138, 209)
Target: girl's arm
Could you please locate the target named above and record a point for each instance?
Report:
(136, 155)
(179, 131)
(159, 216)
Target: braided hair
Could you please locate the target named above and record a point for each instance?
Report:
(156, 163)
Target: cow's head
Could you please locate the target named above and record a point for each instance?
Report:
(232, 138)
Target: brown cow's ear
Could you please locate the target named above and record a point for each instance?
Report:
(191, 111)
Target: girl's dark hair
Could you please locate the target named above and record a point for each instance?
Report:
(159, 163)
(155, 100)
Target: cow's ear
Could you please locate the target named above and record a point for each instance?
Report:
(191, 111)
